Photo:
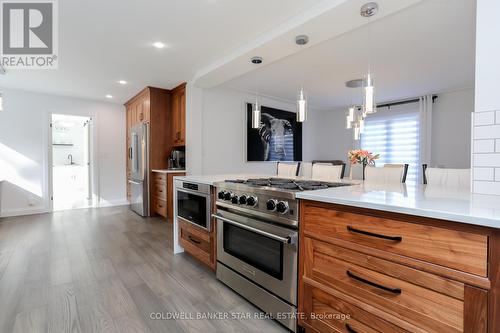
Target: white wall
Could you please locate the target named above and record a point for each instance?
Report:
(486, 130)
(24, 143)
(451, 129)
(221, 134)
(216, 131)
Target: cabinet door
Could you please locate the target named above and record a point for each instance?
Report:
(179, 117)
(133, 115)
(175, 118)
(140, 111)
(146, 108)
(182, 117)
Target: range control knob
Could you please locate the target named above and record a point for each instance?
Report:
(282, 207)
(227, 196)
(234, 199)
(242, 200)
(271, 204)
(221, 194)
(252, 201)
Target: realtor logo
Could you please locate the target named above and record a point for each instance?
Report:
(29, 34)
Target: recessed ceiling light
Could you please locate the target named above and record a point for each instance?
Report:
(159, 45)
(122, 82)
(109, 96)
(256, 60)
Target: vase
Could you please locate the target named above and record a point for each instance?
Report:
(357, 171)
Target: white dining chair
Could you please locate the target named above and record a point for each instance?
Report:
(447, 177)
(389, 173)
(327, 172)
(305, 170)
(288, 169)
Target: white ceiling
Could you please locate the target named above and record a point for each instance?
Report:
(101, 42)
(426, 48)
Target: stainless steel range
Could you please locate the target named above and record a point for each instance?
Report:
(257, 241)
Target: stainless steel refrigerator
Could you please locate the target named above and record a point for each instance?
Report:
(139, 164)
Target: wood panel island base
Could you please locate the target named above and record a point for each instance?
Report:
(364, 270)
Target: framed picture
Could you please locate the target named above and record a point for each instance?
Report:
(279, 137)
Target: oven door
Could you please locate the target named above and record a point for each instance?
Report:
(194, 207)
(264, 253)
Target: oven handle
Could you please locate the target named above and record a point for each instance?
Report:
(286, 240)
(200, 194)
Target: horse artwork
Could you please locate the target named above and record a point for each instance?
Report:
(279, 137)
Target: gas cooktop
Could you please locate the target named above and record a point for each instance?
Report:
(271, 198)
(295, 185)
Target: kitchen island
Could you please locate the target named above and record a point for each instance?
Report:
(399, 258)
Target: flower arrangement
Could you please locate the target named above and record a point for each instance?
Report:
(364, 157)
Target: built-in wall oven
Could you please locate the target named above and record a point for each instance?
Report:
(259, 260)
(194, 203)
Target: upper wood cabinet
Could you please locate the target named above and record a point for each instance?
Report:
(178, 123)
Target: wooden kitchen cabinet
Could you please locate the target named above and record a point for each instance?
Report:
(395, 273)
(179, 115)
(198, 242)
(151, 105)
(163, 194)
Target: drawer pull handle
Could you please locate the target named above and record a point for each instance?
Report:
(350, 329)
(194, 240)
(373, 284)
(367, 233)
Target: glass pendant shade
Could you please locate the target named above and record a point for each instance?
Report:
(368, 95)
(361, 123)
(301, 107)
(350, 117)
(256, 115)
(356, 133)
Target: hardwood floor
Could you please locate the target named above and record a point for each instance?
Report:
(108, 270)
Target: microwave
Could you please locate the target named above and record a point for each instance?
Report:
(194, 203)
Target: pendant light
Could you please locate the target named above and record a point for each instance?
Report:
(256, 110)
(368, 95)
(355, 117)
(350, 117)
(301, 107)
(256, 114)
(301, 40)
(368, 10)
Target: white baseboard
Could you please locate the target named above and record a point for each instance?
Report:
(112, 203)
(21, 212)
(42, 210)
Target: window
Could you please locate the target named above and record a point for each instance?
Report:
(394, 134)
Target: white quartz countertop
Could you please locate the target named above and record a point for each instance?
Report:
(459, 205)
(168, 171)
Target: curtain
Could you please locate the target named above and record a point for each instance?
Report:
(394, 134)
(425, 114)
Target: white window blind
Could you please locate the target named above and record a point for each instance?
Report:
(394, 134)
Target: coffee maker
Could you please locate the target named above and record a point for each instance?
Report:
(177, 159)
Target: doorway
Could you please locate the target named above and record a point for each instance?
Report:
(71, 167)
